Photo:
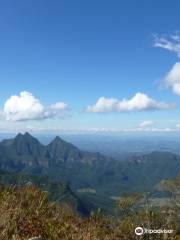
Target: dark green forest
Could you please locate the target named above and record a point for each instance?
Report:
(57, 191)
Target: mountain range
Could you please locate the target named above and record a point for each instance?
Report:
(89, 174)
(25, 151)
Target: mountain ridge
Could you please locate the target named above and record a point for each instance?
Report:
(63, 161)
(57, 151)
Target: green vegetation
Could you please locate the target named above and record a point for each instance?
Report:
(64, 162)
(26, 212)
(58, 192)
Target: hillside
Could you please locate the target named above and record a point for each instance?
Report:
(106, 178)
(26, 213)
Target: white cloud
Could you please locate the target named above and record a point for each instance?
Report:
(172, 78)
(104, 105)
(26, 107)
(171, 43)
(147, 123)
(139, 102)
(58, 106)
(178, 125)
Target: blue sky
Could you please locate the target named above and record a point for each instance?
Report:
(75, 52)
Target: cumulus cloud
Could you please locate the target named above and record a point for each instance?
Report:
(26, 107)
(58, 106)
(172, 78)
(145, 124)
(139, 102)
(171, 43)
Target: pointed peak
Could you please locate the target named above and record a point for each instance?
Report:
(26, 134)
(57, 139)
(24, 137)
(19, 135)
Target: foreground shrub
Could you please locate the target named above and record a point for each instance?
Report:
(27, 214)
